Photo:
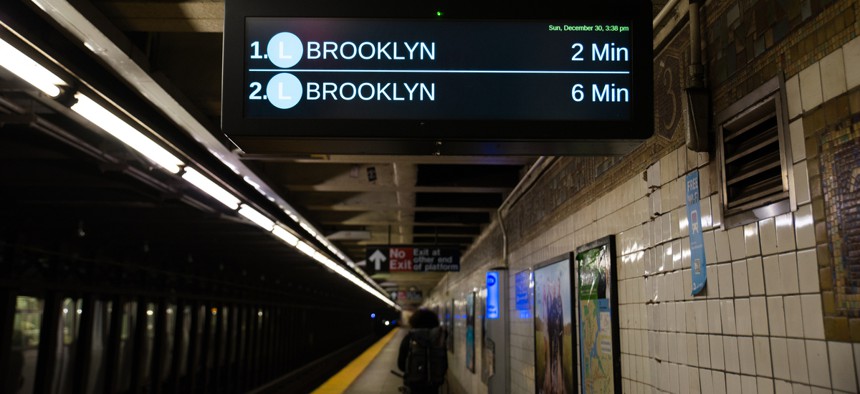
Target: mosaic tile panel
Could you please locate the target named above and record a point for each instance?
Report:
(840, 182)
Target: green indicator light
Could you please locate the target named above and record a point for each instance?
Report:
(438, 13)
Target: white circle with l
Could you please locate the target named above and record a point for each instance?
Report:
(284, 91)
(285, 50)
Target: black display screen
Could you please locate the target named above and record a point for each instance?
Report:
(325, 76)
(336, 68)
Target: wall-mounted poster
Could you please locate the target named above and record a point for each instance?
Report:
(553, 320)
(598, 317)
(470, 331)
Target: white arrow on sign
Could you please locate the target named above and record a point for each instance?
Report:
(377, 258)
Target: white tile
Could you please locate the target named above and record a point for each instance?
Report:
(695, 386)
(782, 386)
(851, 56)
(721, 240)
(792, 92)
(857, 357)
(730, 348)
(810, 87)
(819, 390)
(748, 385)
(741, 282)
(716, 211)
(804, 227)
(746, 354)
(719, 379)
(765, 385)
(751, 240)
(736, 243)
(779, 356)
(797, 388)
(776, 316)
(706, 217)
(714, 320)
(819, 367)
(762, 356)
(842, 372)
(707, 382)
(797, 360)
(701, 308)
(767, 234)
(756, 276)
(788, 273)
(793, 317)
(742, 316)
(681, 317)
(785, 233)
(772, 277)
(712, 286)
(727, 314)
(717, 356)
(758, 313)
(710, 247)
(801, 183)
(733, 383)
(725, 273)
(692, 349)
(704, 346)
(691, 316)
(798, 140)
(833, 75)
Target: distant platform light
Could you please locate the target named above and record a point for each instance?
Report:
(387, 322)
(373, 316)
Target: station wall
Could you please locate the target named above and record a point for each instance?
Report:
(779, 313)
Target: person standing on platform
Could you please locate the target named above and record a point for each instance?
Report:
(423, 356)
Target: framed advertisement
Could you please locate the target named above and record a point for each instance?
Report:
(470, 331)
(554, 326)
(599, 343)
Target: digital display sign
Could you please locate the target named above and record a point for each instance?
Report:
(493, 308)
(317, 74)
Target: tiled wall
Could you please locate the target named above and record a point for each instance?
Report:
(776, 314)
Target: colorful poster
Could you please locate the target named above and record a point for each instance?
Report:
(598, 320)
(470, 331)
(697, 244)
(524, 282)
(554, 356)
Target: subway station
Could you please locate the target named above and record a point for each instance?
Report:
(618, 196)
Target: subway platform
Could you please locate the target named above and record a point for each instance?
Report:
(369, 373)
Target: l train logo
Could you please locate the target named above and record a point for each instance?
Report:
(284, 50)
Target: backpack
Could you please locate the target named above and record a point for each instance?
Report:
(427, 360)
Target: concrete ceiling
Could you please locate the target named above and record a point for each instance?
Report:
(355, 200)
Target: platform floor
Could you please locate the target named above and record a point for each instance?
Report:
(370, 373)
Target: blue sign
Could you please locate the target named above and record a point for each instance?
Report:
(492, 295)
(522, 287)
(697, 244)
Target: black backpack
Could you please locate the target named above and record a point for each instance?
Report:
(427, 360)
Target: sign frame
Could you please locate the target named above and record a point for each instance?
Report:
(438, 136)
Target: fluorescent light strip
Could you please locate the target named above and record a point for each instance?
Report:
(305, 248)
(118, 128)
(27, 69)
(211, 188)
(256, 217)
(322, 259)
(285, 236)
(309, 228)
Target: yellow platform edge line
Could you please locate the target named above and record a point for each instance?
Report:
(343, 379)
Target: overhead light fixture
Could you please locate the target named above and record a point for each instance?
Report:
(305, 248)
(27, 69)
(118, 128)
(308, 228)
(256, 217)
(285, 236)
(211, 188)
